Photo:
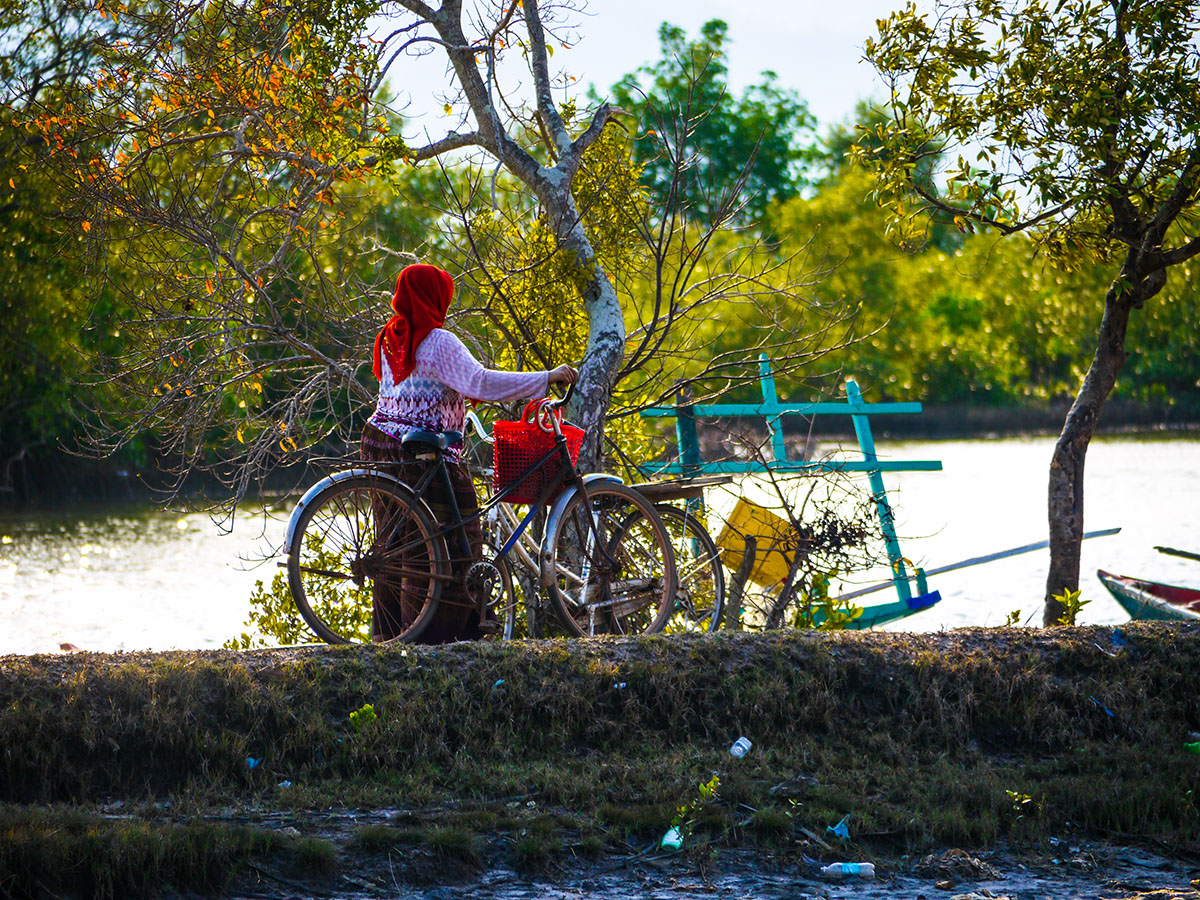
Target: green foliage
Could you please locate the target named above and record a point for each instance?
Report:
(57, 331)
(45, 316)
(254, 128)
(816, 609)
(534, 318)
(273, 616)
(361, 718)
(66, 852)
(1070, 603)
(685, 816)
(685, 109)
(978, 319)
(1022, 804)
(230, 363)
(1059, 108)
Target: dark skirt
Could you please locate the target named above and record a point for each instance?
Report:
(457, 615)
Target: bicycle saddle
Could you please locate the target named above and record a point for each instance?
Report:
(439, 439)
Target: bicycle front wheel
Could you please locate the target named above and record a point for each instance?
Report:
(700, 597)
(614, 572)
(501, 598)
(366, 563)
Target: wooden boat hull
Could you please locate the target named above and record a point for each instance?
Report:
(1152, 600)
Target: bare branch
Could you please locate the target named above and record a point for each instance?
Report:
(547, 110)
(452, 141)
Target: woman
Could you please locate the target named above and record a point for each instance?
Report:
(424, 373)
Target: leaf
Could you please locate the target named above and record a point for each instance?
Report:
(448, 109)
(87, 226)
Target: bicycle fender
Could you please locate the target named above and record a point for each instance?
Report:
(321, 485)
(556, 511)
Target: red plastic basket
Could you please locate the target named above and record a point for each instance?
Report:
(520, 444)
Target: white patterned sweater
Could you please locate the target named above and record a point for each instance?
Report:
(431, 397)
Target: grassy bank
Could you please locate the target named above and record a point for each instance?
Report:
(543, 749)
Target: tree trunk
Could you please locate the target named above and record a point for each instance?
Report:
(1065, 502)
(606, 328)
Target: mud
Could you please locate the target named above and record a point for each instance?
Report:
(1061, 870)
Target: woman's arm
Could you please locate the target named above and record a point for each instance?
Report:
(448, 359)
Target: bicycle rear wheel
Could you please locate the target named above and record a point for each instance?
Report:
(700, 597)
(366, 563)
(614, 572)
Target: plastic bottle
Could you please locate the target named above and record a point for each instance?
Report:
(849, 870)
(672, 840)
(740, 747)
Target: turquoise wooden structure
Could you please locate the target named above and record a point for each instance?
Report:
(773, 412)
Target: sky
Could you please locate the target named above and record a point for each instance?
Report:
(814, 46)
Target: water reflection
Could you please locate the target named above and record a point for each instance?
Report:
(123, 579)
(128, 579)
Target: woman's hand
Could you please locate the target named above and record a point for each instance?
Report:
(563, 375)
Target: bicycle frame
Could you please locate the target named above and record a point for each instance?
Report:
(567, 473)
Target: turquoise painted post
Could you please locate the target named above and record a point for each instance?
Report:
(689, 451)
(887, 519)
(685, 434)
(771, 410)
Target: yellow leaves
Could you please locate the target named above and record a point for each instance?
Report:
(448, 109)
(209, 286)
(86, 225)
(287, 445)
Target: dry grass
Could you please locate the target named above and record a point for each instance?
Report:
(925, 740)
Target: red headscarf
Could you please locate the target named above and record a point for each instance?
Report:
(422, 297)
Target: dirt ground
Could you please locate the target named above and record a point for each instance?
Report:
(1064, 870)
(549, 769)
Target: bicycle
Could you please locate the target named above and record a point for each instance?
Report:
(605, 557)
(700, 572)
(699, 569)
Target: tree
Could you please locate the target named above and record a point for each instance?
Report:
(231, 153)
(752, 147)
(1082, 120)
(52, 330)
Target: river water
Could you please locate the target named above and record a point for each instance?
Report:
(131, 579)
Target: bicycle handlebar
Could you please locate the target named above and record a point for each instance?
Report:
(549, 403)
(481, 430)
